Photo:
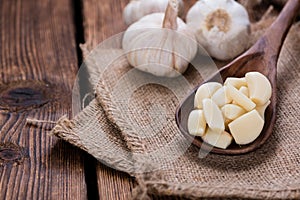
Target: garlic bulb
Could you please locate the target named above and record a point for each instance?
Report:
(160, 44)
(131, 12)
(136, 9)
(220, 26)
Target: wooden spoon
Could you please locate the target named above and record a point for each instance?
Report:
(261, 57)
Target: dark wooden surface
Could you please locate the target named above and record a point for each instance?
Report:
(38, 64)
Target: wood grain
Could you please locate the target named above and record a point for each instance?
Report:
(38, 63)
(113, 184)
(102, 20)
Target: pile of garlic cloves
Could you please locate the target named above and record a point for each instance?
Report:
(234, 111)
(159, 42)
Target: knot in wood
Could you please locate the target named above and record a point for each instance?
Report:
(24, 95)
(11, 153)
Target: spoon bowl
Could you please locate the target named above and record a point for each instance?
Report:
(261, 57)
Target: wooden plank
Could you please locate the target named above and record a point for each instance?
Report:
(38, 64)
(113, 184)
(102, 20)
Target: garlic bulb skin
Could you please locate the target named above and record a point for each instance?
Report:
(136, 9)
(159, 51)
(131, 12)
(220, 26)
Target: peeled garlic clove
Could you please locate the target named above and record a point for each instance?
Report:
(260, 89)
(196, 123)
(226, 122)
(213, 115)
(217, 139)
(236, 82)
(240, 99)
(261, 109)
(160, 44)
(246, 128)
(205, 91)
(231, 111)
(244, 90)
(221, 27)
(221, 96)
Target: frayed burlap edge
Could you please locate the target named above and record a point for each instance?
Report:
(111, 110)
(116, 117)
(104, 98)
(65, 129)
(156, 186)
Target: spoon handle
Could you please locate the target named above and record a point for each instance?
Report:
(276, 33)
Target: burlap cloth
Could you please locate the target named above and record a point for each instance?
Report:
(122, 132)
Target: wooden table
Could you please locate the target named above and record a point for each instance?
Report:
(39, 59)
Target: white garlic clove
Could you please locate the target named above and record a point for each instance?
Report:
(261, 109)
(236, 82)
(226, 122)
(240, 99)
(206, 90)
(260, 89)
(244, 90)
(196, 123)
(217, 139)
(246, 128)
(221, 96)
(231, 111)
(220, 26)
(213, 116)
